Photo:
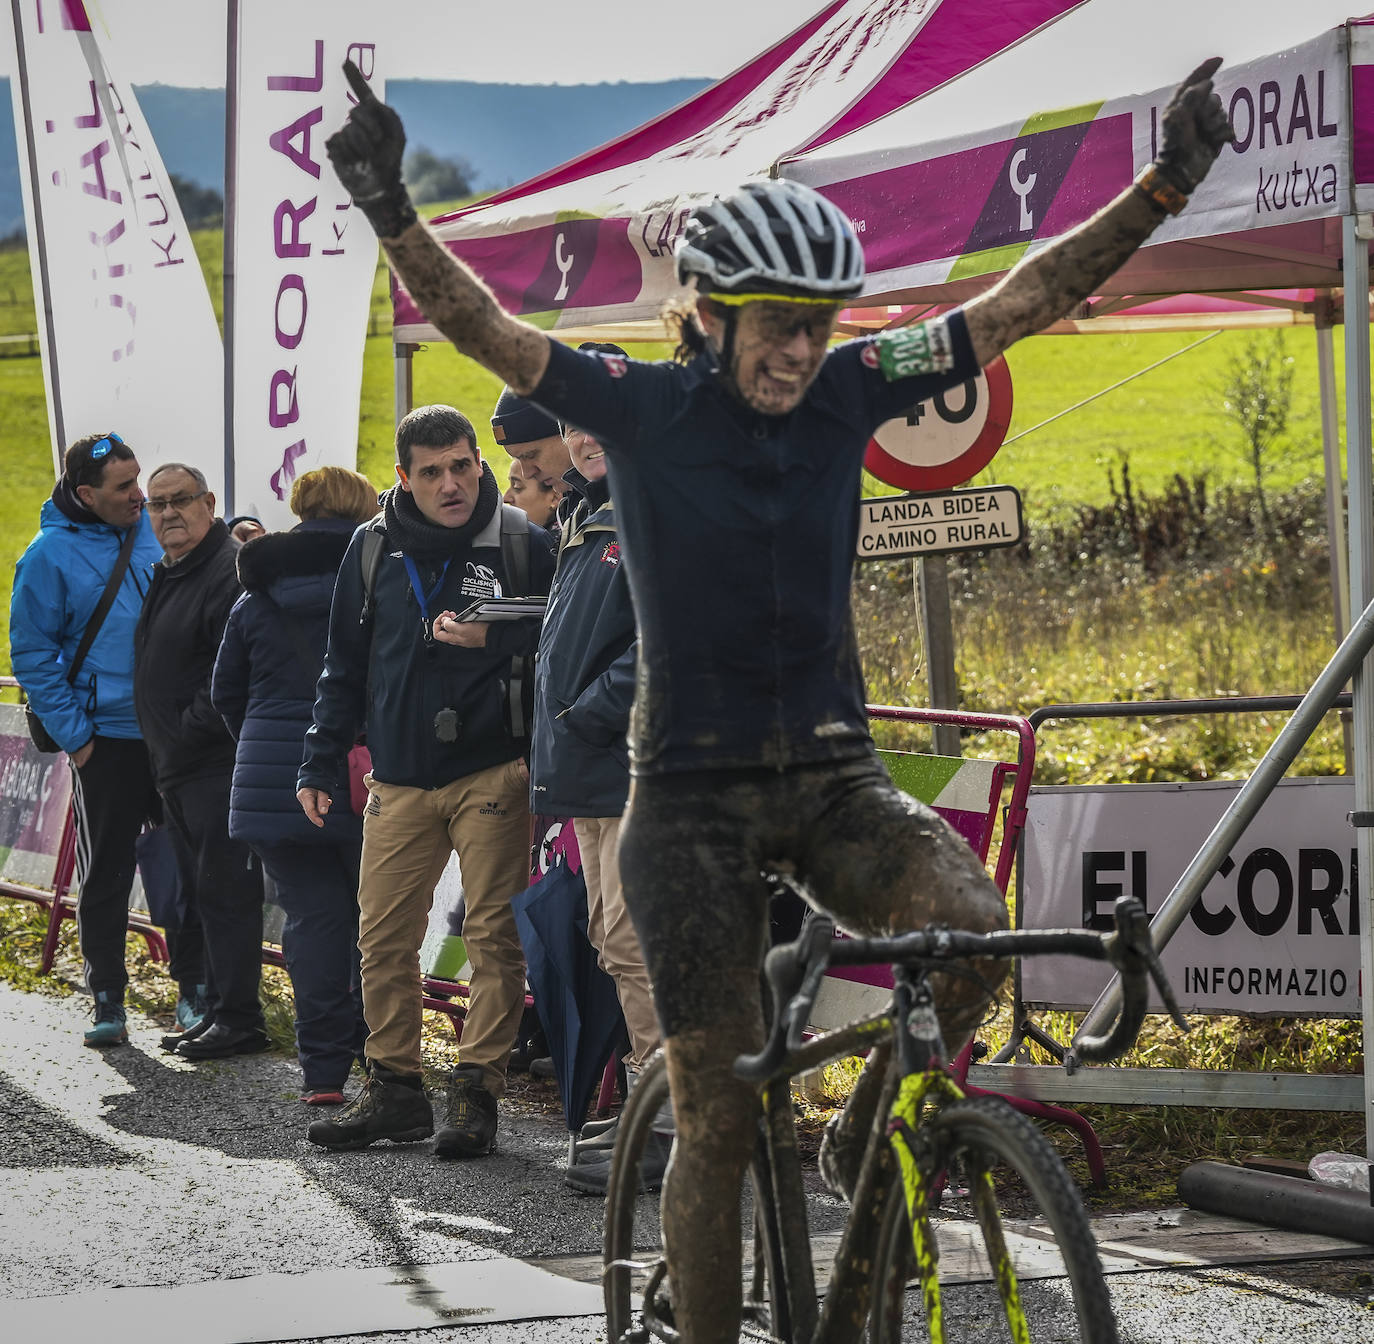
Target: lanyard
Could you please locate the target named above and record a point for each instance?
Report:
(422, 597)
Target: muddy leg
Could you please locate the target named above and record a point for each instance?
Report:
(700, 1208)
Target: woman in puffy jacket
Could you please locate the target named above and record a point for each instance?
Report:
(264, 686)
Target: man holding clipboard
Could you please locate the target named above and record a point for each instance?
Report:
(448, 743)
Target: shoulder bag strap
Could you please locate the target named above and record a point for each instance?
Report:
(106, 602)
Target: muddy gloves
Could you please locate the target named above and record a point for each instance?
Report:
(1193, 130)
(366, 155)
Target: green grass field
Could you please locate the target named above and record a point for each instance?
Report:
(1166, 421)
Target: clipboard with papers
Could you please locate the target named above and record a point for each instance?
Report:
(505, 609)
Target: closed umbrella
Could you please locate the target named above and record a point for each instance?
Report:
(576, 1000)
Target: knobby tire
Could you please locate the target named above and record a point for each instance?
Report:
(976, 1135)
(623, 1287)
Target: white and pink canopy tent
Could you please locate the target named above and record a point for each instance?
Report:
(590, 243)
(962, 135)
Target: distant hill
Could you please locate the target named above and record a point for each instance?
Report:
(507, 132)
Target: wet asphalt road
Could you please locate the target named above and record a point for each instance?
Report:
(130, 1168)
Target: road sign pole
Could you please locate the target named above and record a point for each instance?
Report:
(937, 636)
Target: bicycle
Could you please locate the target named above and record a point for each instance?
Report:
(931, 1132)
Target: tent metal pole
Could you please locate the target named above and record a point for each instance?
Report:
(229, 273)
(1335, 503)
(1331, 454)
(1356, 231)
(405, 380)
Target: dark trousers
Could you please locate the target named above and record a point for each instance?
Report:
(223, 886)
(112, 797)
(317, 889)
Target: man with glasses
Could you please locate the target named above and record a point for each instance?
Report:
(58, 584)
(194, 586)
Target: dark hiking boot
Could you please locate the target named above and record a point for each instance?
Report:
(109, 1023)
(389, 1106)
(470, 1128)
(593, 1176)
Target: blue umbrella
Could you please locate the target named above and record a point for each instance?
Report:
(576, 1000)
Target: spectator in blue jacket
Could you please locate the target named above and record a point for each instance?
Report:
(57, 586)
(264, 686)
(579, 757)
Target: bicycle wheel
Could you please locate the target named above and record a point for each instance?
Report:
(635, 1287)
(1027, 1300)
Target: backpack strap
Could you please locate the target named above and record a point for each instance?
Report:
(515, 550)
(374, 543)
(515, 562)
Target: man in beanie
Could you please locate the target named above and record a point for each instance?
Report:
(58, 585)
(531, 436)
(448, 773)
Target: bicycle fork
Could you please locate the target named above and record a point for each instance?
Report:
(924, 1078)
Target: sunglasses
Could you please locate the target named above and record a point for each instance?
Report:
(103, 446)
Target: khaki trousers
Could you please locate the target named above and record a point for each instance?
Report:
(408, 835)
(613, 934)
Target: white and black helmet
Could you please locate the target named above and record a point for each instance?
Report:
(771, 237)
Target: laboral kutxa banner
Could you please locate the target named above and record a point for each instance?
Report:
(128, 336)
(975, 204)
(303, 256)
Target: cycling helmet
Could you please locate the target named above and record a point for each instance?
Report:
(771, 237)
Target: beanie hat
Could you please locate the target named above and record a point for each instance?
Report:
(517, 420)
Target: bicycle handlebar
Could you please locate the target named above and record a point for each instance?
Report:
(795, 971)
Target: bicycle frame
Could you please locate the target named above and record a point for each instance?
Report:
(917, 1078)
(906, 1142)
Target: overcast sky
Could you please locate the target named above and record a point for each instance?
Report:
(505, 41)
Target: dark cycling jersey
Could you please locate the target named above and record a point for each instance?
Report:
(739, 532)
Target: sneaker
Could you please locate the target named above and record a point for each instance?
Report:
(191, 1008)
(542, 1067)
(598, 1136)
(388, 1107)
(322, 1096)
(592, 1177)
(109, 1028)
(470, 1130)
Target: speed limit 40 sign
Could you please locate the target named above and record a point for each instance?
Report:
(948, 439)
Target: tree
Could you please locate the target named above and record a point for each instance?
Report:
(431, 178)
(203, 207)
(1256, 391)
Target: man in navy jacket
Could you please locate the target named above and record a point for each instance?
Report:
(579, 761)
(448, 774)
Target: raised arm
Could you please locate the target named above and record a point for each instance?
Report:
(366, 154)
(1043, 288)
